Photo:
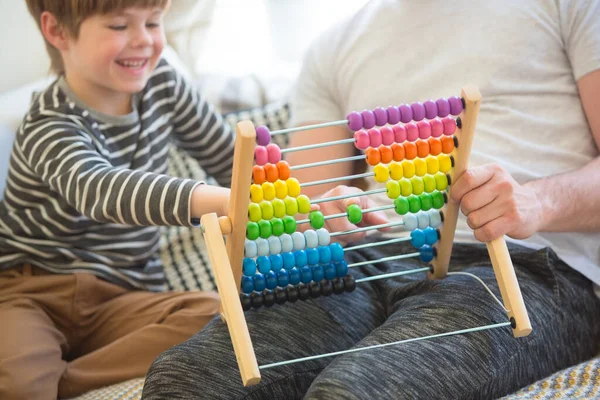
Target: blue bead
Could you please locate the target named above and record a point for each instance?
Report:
(260, 283)
(301, 259)
(306, 274)
(417, 238)
(283, 278)
(426, 253)
(271, 277)
(341, 268)
(337, 252)
(264, 264)
(247, 284)
(295, 276)
(330, 272)
(248, 267)
(431, 235)
(318, 273)
(289, 261)
(312, 256)
(276, 262)
(324, 254)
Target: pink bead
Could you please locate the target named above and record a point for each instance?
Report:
(424, 129)
(437, 127)
(261, 156)
(412, 132)
(374, 137)
(449, 126)
(274, 153)
(361, 139)
(399, 133)
(387, 135)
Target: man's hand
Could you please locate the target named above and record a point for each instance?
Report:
(495, 204)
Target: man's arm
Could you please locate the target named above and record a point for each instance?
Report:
(495, 204)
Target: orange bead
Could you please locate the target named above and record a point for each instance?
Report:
(373, 156)
(258, 174)
(271, 172)
(435, 146)
(387, 155)
(284, 170)
(422, 148)
(447, 144)
(398, 151)
(410, 150)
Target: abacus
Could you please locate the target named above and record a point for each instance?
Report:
(416, 149)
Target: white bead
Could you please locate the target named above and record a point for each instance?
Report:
(324, 237)
(410, 222)
(287, 244)
(312, 239)
(299, 241)
(263, 247)
(435, 218)
(274, 245)
(423, 219)
(250, 249)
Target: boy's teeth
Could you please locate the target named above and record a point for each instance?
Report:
(132, 64)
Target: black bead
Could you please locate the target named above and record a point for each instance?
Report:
(246, 301)
(303, 292)
(459, 123)
(315, 289)
(455, 141)
(257, 299)
(349, 283)
(452, 161)
(513, 323)
(269, 297)
(280, 295)
(449, 179)
(464, 103)
(292, 293)
(338, 286)
(326, 287)
(441, 212)
(431, 270)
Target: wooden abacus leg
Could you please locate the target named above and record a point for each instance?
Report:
(230, 300)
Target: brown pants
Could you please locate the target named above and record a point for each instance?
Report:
(63, 335)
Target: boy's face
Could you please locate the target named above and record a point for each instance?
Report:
(116, 52)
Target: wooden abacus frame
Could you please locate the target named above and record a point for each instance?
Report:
(225, 254)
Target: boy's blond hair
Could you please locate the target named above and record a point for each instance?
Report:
(71, 13)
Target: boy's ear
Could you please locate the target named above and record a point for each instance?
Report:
(53, 31)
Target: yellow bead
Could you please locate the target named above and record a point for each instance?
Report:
(278, 208)
(293, 187)
(405, 187)
(441, 181)
(429, 183)
(381, 173)
(254, 212)
(256, 193)
(417, 185)
(303, 204)
(281, 189)
(267, 210)
(445, 163)
(420, 166)
(409, 169)
(433, 165)
(291, 205)
(393, 189)
(396, 171)
(268, 191)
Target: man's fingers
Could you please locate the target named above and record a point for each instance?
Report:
(477, 199)
(486, 214)
(472, 178)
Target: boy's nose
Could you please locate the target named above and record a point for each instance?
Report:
(142, 38)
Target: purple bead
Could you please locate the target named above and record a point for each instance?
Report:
(381, 116)
(263, 137)
(418, 111)
(456, 106)
(394, 115)
(355, 121)
(368, 119)
(430, 109)
(443, 107)
(405, 113)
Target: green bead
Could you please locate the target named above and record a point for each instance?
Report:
(265, 228)
(426, 201)
(401, 205)
(429, 183)
(252, 230)
(289, 224)
(417, 185)
(354, 213)
(414, 204)
(277, 226)
(437, 199)
(278, 208)
(317, 221)
(441, 181)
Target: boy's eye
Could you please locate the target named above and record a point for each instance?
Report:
(118, 27)
(152, 25)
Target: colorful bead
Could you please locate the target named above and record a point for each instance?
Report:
(422, 148)
(303, 204)
(265, 228)
(295, 276)
(382, 174)
(431, 235)
(393, 115)
(283, 278)
(291, 206)
(276, 226)
(405, 113)
(355, 121)
(252, 230)
(437, 127)
(283, 169)
(329, 270)
(324, 237)
(274, 245)
(410, 150)
(260, 283)
(266, 209)
(429, 183)
(354, 213)
(341, 268)
(433, 165)
(271, 172)
(410, 222)
(254, 212)
(392, 189)
(412, 132)
(405, 187)
(311, 239)
(324, 255)
(417, 185)
(445, 163)
(281, 189)
(271, 278)
(430, 109)
(397, 151)
(422, 219)
(395, 171)
(261, 157)
(375, 139)
(306, 274)
(263, 264)
(256, 193)
(250, 249)
(426, 253)
(268, 191)
(317, 220)
(435, 218)
(337, 252)
(274, 153)
(262, 247)
(456, 105)
(293, 187)
(249, 266)
(387, 136)
(299, 241)
(361, 139)
(447, 144)
(373, 156)
(401, 205)
(435, 146)
(368, 119)
(312, 255)
(287, 244)
(289, 261)
(263, 136)
(441, 181)
(276, 261)
(289, 224)
(443, 107)
(247, 284)
(278, 208)
(420, 166)
(437, 199)
(318, 273)
(386, 153)
(408, 168)
(426, 201)
(399, 133)
(424, 129)
(414, 204)
(381, 117)
(418, 111)
(258, 174)
(449, 126)
(301, 259)
(417, 238)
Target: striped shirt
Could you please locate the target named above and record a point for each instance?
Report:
(87, 192)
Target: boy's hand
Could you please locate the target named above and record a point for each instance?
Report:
(495, 204)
